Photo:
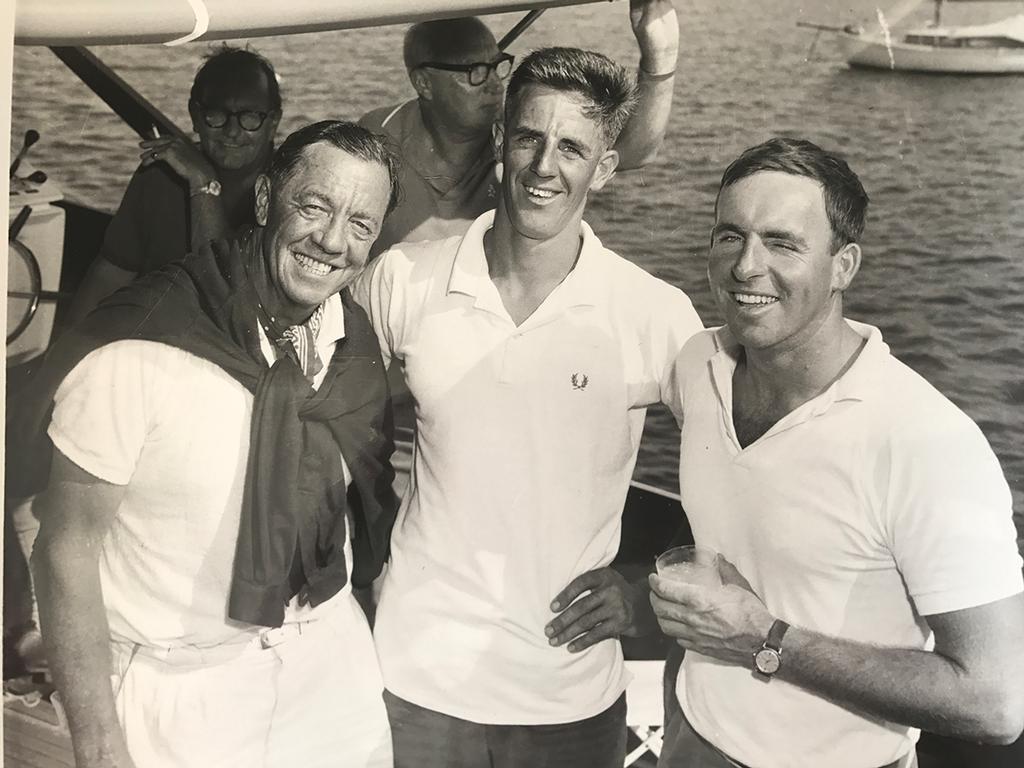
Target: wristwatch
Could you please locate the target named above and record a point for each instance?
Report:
(768, 658)
(210, 188)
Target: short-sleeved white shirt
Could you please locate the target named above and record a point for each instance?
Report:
(526, 441)
(870, 506)
(174, 429)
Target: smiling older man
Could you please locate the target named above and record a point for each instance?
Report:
(458, 72)
(185, 194)
(220, 478)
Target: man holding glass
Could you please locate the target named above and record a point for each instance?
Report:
(459, 75)
(872, 583)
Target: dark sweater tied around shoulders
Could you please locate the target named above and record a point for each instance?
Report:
(294, 501)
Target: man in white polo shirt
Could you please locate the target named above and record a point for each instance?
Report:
(532, 353)
(220, 478)
(873, 583)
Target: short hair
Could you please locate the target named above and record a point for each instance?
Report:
(354, 139)
(610, 91)
(846, 202)
(433, 40)
(224, 64)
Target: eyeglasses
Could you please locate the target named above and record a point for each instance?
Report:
(248, 119)
(479, 71)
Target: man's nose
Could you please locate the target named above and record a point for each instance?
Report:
(544, 160)
(749, 261)
(493, 83)
(332, 239)
(232, 127)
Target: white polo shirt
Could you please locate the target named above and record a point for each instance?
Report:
(868, 507)
(526, 441)
(174, 429)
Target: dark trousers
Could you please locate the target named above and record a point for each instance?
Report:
(683, 747)
(423, 738)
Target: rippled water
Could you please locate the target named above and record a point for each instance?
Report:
(941, 157)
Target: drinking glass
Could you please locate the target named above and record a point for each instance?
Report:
(690, 565)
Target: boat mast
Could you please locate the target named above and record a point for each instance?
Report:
(938, 13)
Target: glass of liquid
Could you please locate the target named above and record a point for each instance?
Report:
(690, 565)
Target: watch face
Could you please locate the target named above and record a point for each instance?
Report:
(767, 661)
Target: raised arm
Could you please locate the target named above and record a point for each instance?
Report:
(656, 28)
(971, 686)
(75, 512)
(207, 217)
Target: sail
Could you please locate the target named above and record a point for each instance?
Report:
(114, 22)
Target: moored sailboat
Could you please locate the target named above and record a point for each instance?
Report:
(993, 48)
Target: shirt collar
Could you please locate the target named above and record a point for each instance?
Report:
(857, 383)
(332, 326)
(582, 286)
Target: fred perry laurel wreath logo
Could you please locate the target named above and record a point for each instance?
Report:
(579, 380)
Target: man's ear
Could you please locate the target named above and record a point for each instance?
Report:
(274, 118)
(605, 169)
(845, 264)
(498, 139)
(262, 199)
(421, 82)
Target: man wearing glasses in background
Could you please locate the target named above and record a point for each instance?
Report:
(184, 195)
(448, 170)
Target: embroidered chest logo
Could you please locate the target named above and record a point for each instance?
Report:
(579, 381)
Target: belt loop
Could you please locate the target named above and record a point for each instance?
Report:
(123, 673)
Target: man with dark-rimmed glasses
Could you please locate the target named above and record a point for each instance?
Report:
(459, 73)
(184, 194)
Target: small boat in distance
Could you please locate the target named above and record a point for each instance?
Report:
(995, 48)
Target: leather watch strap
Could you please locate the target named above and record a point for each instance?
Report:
(775, 634)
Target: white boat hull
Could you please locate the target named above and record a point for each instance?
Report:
(122, 22)
(909, 57)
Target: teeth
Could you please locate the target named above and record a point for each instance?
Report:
(750, 298)
(545, 193)
(317, 268)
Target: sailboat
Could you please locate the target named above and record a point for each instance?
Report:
(995, 48)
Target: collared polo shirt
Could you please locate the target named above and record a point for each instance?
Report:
(860, 512)
(174, 429)
(151, 226)
(424, 212)
(526, 440)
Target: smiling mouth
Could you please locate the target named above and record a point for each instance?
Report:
(312, 266)
(753, 299)
(538, 193)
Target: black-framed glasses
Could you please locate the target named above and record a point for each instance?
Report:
(248, 119)
(478, 71)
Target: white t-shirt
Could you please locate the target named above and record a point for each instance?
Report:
(870, 506)
(526, 441)
(174, 429)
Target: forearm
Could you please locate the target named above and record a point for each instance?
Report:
(656, 28)
(207, 219)
(919, 688)
(640, 140)
(75, 629)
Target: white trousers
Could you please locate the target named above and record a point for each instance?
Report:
(313, 699)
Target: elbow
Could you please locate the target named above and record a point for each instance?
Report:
(1002, 721)
(637, 161)
(1008, 730)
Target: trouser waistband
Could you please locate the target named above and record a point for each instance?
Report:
(686, 723)
(247, 646)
